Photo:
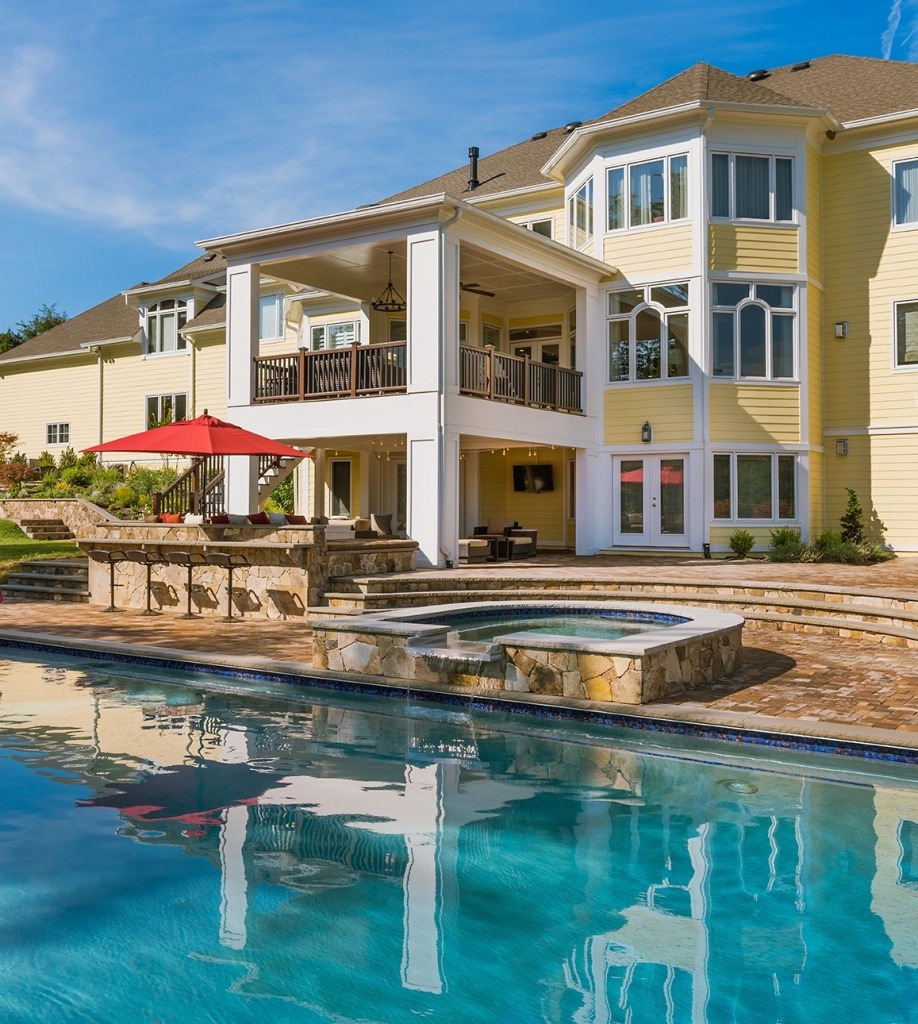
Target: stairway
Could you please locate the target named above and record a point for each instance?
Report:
(45, 529)
(887, 616)
(271, 473)
(51, 579)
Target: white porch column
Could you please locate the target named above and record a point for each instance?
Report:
(242, 484)
(590, 505)
(433, 496)
(318, 484)
(242, 290)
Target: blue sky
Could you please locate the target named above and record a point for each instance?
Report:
(130, 130)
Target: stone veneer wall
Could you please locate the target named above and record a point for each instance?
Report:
(568, 673)
(79, 516)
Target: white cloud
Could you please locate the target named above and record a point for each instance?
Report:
(892, 26)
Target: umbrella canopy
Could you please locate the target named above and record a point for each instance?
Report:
(205, 435)
(668, 475)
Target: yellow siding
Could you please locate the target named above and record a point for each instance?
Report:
(210, 377)
(129, 379)
(867, 268)
(662, 251)
(668, 408)
(556, 214)
(51, 391)
(754, 413)
(753, 248)
(496, 497)
(720, 536)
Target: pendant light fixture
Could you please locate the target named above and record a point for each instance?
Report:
(390, 301)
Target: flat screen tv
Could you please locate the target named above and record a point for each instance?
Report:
(533, 478)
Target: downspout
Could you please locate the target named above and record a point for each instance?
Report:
(441, 386)
(101, 390)
(707, 468)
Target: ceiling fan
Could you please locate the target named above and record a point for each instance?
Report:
(476, 289)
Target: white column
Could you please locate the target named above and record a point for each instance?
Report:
(591, 506)
(425, 312)
(242, 289)
(318, 483)
(242, 484)
(449, 513)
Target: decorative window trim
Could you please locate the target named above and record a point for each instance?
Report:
(772, 218)
(775, 496)
(57, 434)
(625, 214)
(179, 403)
(155, 317)
(753, 300)
(277, 299)
(665, 312)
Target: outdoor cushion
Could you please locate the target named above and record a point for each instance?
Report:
(237, 520)
(193, 519)
(170, 517)
(498, 527)
(220, 519)
(277, 519)
(382, 525)
(296, 520)
(259, 519)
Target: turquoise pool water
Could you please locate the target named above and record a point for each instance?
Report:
(169, 855)
(490, 624)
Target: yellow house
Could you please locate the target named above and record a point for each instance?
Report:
(714, 306)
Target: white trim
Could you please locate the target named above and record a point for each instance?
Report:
(869, 431)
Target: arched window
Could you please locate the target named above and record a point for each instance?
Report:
(753, 331)
(648, 333)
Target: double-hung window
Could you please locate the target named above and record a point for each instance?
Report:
(271, 317)
(164, 323)
(57, 433)
(338, 335)
(906, 334)
(905, 199)
(755, 486)
(753, 330)
(752, 187)
(652, 192)
(648, 333)
(580, 216)
(162, 409)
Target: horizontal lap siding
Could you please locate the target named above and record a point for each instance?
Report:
(720, 536)
(130, 379)
(51, 391)
(210, 377)
(497, 499)
(668, 409)
(659, 252)
(749, 248)
(760, 414)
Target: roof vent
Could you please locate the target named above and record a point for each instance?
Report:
(473, 169)
(538, 135)
(802, 66)
(209, 256)
(758, 75)
(572, 126)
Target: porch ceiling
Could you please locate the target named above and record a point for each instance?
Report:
(360, 272)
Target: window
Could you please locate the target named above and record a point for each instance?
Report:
(491, 335)
(648, 333)
(57, 433)
(463, 332)
(905, 175)
(339, 487)
(755, 487)
(540, 225)
(338, 335)
(165, 409)
(398, 330)
(907, 334)
(753, 330)
(752, 187)
(580, 215)
(657, 192)
(164, 323)
(271, 317)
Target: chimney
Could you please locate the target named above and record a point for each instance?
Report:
(473, 169)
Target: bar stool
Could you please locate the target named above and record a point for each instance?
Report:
(228, 560)
(111, 559)
(188, 559)
(149, 559)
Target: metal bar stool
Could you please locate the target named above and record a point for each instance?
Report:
(111, 559)
(188, 559)
(149, 559)
(228, 560)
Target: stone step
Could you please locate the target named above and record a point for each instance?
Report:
(48, 579)
(57, 567)
(45, 529)
(33, 593)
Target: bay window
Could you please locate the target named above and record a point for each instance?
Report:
(657, 192)
(755, 487)
(648, 333)
(747, 187)
(753, 330)
(580, 216)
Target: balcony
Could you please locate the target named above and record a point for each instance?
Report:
(380, 369)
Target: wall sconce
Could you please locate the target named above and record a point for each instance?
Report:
(646, 432)
(841, 446)
(841, 329)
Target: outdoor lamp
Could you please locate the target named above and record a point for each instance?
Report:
(647, 432)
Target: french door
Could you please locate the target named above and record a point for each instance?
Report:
(649, 501)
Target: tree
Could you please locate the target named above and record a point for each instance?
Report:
(39, 322)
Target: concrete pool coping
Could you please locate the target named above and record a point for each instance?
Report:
(801, 733)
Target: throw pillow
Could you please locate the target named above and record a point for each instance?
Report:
(382, 525)
(171, 517)
(277, 519)
(259, 519)
(293, 520)
(221, 519)
(238, 520)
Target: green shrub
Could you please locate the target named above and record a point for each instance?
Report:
(67, 459)
(87, 460)
(741, 542)
(281, 498)
(124, 497)
(46, 461)
(852, 520)
(145, 481)
(76, 476)
(786, 545)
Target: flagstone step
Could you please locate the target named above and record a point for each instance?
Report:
(45, 529)
(48, 580)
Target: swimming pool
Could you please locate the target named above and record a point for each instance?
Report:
(169, 855)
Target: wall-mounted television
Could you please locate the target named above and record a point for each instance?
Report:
(533, 478)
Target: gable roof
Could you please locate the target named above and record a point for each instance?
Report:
(111, 320)
(212, 315)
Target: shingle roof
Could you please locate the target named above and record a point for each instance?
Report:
(205, 265)
(109, 320)
(212, 315)
(851, 88)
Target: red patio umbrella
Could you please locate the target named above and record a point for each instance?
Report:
(668, 475)
(205, 435)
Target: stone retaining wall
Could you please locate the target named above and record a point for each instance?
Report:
(79, 516)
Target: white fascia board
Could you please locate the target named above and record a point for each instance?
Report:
(516, 193)
(882, 119)
(203, 327)
(173, 288)
(82, 350)
(567, 152)
(89, 345)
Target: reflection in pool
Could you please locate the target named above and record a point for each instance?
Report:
(169, 855)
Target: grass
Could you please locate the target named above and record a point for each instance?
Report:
(16, 547)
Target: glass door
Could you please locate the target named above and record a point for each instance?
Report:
(649, 501)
